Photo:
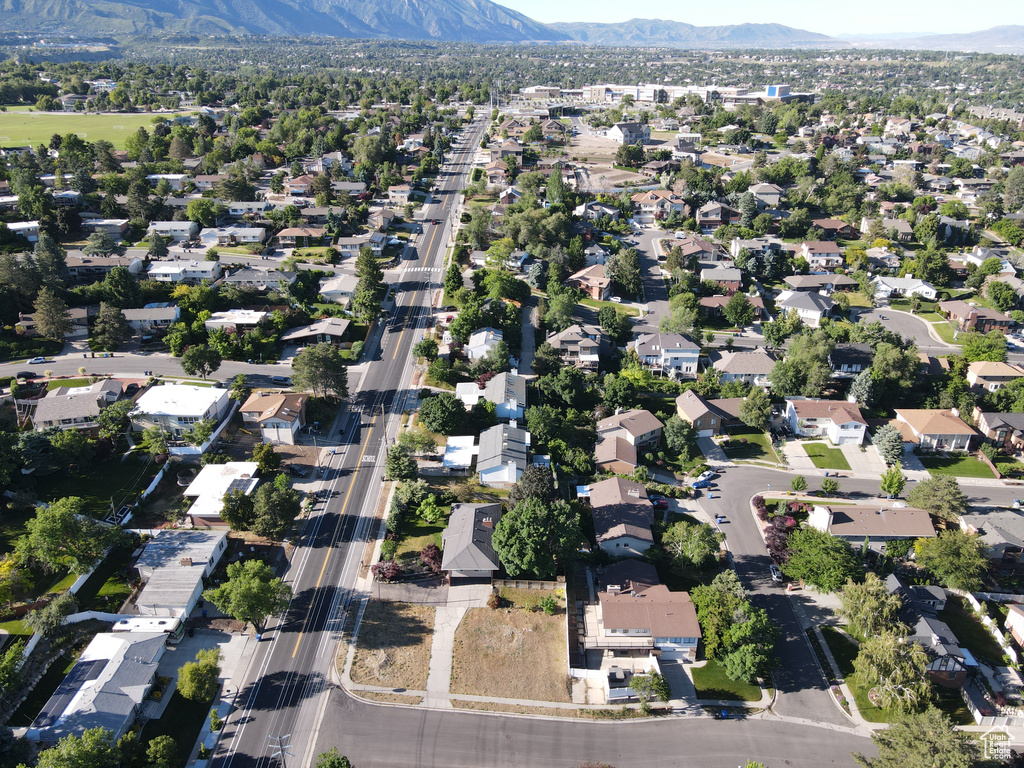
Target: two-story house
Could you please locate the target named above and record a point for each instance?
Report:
(987, 376)
(278, 415)
(751, 366)
(713, 215)
(728, 279)
(842, 423)
(638, 427)
(75, 407)
(629, 133)
(173, 230)
(822, 255)
(184, 271)
(971, 318)
(502, 455)
(708, 417)
(668, 352)
(655, 205)
(592, 281)
(579, 345)
(177, 408)
(622, 516)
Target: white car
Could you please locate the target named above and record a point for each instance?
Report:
(616, 299)
(37, 360)
(705, 476)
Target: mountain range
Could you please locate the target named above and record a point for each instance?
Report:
(468, 21)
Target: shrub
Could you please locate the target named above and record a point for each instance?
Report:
(388, 548)
(494, 602)
(549, 605)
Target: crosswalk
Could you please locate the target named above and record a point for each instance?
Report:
(422, 269)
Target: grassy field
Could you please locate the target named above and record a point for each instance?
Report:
(957, 466)
(844, 651)
(757, 446)
(625, 309)
(824, 457)
(945, 332)
(393, 648)
(58, 383)
(711, 682)
(970, 631)
(20, 128)
(513, 654)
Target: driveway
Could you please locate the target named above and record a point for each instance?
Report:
(908, 326)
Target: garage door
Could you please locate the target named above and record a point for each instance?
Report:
(706, 433)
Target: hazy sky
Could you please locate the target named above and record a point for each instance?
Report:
(865, 17)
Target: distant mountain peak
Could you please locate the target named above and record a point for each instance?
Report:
(678, 34)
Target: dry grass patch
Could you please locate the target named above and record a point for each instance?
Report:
(511, 654)
(389, 698)
(531, 599)
(515, 709)
(393, 647)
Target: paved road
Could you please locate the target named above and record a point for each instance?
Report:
(373, 737)
(281, 692)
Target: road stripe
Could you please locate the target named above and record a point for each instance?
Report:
(341, 519)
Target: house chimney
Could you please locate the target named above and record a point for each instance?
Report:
(487, 522)
(186, 562)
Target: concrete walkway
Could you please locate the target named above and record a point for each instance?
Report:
(797, 459)
(439, 678)
(713, 452)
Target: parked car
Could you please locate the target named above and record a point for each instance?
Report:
(131, 389)
(37, 361)
(700, 484)
(282, 381)
(775, 572)
(25, 375)
(705, 475)
(296, 471)
(660, 503)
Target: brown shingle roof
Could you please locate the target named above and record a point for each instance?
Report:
(664, 613)
(933, 421)
(839, 412)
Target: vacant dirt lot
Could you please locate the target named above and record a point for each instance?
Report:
(393, 648)
(511, 653)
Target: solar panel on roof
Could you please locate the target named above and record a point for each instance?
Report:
(237, 485)
(80, 674)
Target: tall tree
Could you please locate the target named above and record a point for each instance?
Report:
(739, 311)
(756, 409)
(53, 319)
(199, 680)
(251, 593)
(957, 559)
(110, 328)
(895, 670)
(889, 442)
(869, 608)
(925, 739)
(893, 480)
(534, 536)
(322, 370)
(941, 496)
(200, 360)
(51, 260)
(820, 559)
(62, 535)
(692, 545)
(94, 748)
(623, 269)
(121, 289)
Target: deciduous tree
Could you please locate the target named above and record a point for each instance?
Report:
(322, 370)
(201, 360)
(199, 680)
(941, 496)
(925, 739)
(893, 480)
(534, 536)
(895, 670)
(820, 559)
(62, 535)
(251, 593)
(869, 608)
(692, 545)
(94, 748)
(443, 413)
(956, 558)
(756, 409)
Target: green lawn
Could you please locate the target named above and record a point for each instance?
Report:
(970, 631)
(931, 317)
(418, 533)
(711, 682)
(594, 303)
(958, 466)
(37, 127)
(945, 332)
(844, 651)
(107, 588)
(112, 481)
(757, 445)
(824, 457)
(58, 383)
(12, 525)
(182, 721)
(16, 627)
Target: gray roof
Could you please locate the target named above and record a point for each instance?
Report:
(151, 313)
(721, 274)
(1014, 421)
(649, 344)
(851, 354)
(333, 326)
(104, 688)
(813, 282)
(999, 526)
(58, 404)
(756, 362)
(505, 387)
(254, 275)
(808, 300)
(467, 539)
(500, 445)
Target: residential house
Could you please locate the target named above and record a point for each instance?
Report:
(591, 211)
(502, 456)
(616, 455)
(893, 287)
(74, 407)
(236, 320)
(751, 366)
(848, 360)
(708, 417)
(177, 408)
(177, 181)
(229, 236)
(399, 194)
(1001, 531)
(842, 423)
(67, 198)
(656, 168)
(655, 205)
(208, 490)
(934, 429)
(833, 228)
(629, 133)
(595, 254)
(468, 555)
(693, 247)
(300, 186)
(766, 195)
(883, 258)
(622, 516)
(822, 255)
(175, 562)
(206, 182)
(506, 390)
(27, 229)
(713, 215)
(812, 308)
(152, 318)
(248, 208)
(508, 149)
(297, 237)
(668, 352)
(258, 279)
(279, 415)
(482, 341)
(1003, 429)
(714, 306)
(79, 317)
(106, 688)
(826, 283)
(173, 230)
(592, 281)
(630, 621)
(986, 376)
(875, 523)
(898, 229)
(728, 279)
(184, 271)
(640, 428)
(339, 289)
(970, 318)
(327, 330)
(579, 345)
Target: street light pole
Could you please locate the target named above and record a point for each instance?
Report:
(282, 747)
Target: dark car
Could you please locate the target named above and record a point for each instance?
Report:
(296, 471)
(25, 375)
(131, 389)
(660, 503)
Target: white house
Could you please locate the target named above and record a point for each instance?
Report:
(211, 236)
(339, 289)
(810, 307)
(184, 271)
(236, 320)
(27, 229)
(888, 287)
(668, 352)
(842, 423)
(177, 408)
(502, 455)
(174, 230)
(482, 342)
(212, 483)
(629, 133)
(149, 319)
(506, 390)
(176, 180)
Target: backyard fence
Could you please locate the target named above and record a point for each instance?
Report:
(559, 583)
(989, 623)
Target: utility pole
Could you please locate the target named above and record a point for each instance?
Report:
(283, 748)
